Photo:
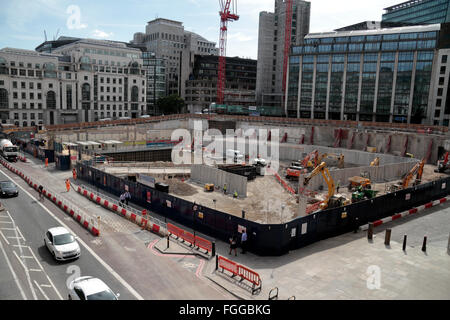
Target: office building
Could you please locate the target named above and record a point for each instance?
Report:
(388, 75)
(240, 84)
(271, 39)
(155, 69)
(169, 41)
(83, 80)
(419, 12)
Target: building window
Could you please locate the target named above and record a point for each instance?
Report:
(441, 81)
(51, 100)
(3, 99)
(14, 84)
(86, 92)
(39, 86)
(438, 102)
(440, 92)
(31, 85)
(23, 85)
(443, 70)
(444, 58)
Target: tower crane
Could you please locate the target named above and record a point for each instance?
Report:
(228, 12)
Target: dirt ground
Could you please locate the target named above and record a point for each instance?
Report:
(265, 196)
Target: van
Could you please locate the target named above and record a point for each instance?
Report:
(236, 155)
(105, 119)
(145, 116)
(124, 118)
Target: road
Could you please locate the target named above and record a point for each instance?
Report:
(122, 256)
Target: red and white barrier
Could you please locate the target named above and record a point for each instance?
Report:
(406, 213)
(59, 202)
(139, 220)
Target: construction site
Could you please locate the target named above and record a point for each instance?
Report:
(314, 169)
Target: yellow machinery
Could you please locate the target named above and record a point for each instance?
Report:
(417, 170)
(209, 187)
(375, 162)
(338, 157)
(355, 182)
(330, 201)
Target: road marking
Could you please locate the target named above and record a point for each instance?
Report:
(28, 276)
(100, 260)
(20, 260)
(26, 257)
(49, 280)
(19, 245)
(42, 291)
(4, 238)
(46, 285)
(35, 270)
(5, 222)
(13, 273)
(9, 229)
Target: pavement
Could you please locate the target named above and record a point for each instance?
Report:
(346, 267)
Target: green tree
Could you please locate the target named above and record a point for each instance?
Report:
(170, 104)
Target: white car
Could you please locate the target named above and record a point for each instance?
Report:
(61, 244)
(90, 288)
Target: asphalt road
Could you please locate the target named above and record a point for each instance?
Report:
(27, 269)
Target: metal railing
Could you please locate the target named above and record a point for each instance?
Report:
(137, 212)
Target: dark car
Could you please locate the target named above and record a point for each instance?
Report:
(8, 189)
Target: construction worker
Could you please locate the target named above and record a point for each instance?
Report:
(235, 194)
(68, 185)
(74, 173)
(225, 188)
(338, 186)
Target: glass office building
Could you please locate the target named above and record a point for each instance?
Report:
(155, 70)
(419, 12)
(385, 75)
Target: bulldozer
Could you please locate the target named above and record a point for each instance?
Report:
(209, 187)
(331, 201)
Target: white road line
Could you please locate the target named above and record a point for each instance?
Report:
(18, 245)
(35, 270)
(49, 280)
(26, 257)
(40, 289)
(100, 260)
(5, 222)
(46, 285)
(20, 260)
(13, 273)
(8, 229)
(20, 233)
(33, 292)
(4, 238)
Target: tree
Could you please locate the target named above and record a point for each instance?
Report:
(170, 104)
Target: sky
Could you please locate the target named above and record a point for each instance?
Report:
(22, 22)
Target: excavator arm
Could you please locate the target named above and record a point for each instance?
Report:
(416, 170)
(338, 157)
(322, 169)
(375, 162)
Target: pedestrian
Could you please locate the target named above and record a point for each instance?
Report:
(40, 190)
(127, 197)
(338, 185)
(244, 241)
(68, 185)
(225, 188)
(235, 194)
(233, 244)
(74, 173)
(122, 198)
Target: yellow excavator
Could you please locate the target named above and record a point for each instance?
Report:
(338, 157)
(375, 162)
(331, 201)
(417, 170)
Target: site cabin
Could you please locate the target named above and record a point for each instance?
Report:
(235, 155)
(8, 150)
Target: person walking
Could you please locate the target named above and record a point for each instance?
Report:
(74, 174)
(225, 188)
(338, 186)
(41, 194)
(127, 197)
(244, 241)
(233, 244)
(68, 185)
(122, 198)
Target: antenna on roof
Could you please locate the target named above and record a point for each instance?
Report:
(45, 34)
(56, 36)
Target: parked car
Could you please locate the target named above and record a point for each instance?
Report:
(61, 244)
(8, 189)
(90, 288)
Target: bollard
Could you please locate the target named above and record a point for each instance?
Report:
(213, 249)
(448, 245)
(424, 245)
(168, 241)
(387, 238)
(370, 231)
(404, 242)
(217, 262)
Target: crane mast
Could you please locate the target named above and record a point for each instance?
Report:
(228, 12)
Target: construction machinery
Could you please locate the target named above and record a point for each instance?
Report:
(355, 182)
(338, 157)
(303, 166)
(443, 164)
(331, 201)
(362, 193)
(375, 162)
(209, 187)
(417, 171)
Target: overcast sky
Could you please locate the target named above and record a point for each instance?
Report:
(22, 22)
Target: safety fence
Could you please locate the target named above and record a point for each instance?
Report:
(267, 239)
(192, 239)
(241, 271)
(285, 185)
(64, 203)
(141, 218)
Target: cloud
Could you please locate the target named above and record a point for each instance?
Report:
(239, 36)
(101, 34)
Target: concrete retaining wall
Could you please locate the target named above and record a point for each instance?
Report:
(205, 174)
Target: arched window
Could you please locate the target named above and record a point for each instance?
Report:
(51, 100)
(86, 92)
(3, 99)
(16, 123)
(134, 94)
(33, 124)
(25, 124)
